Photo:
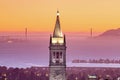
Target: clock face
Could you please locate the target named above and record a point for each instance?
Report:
(58, 75)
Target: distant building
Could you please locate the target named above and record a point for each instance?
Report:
(92, 77)
(118, 78)
(57, 49)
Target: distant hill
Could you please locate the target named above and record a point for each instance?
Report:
(110, 33)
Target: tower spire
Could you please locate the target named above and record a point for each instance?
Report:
(57, 29)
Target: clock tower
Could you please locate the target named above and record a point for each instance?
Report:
(57, 53)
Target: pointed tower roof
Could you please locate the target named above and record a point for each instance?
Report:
(57, 29)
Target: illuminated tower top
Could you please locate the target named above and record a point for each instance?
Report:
(57, 38)
(57, 29)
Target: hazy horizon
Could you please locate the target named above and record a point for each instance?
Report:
(36, 51)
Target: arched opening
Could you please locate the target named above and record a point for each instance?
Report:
(60, 54)
(57, 55)
(53, 54)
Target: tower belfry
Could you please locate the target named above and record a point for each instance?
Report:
(57, 51)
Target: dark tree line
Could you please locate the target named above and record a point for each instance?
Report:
(72, 73)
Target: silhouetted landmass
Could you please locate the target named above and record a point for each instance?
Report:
(111, 33)
(96, 61)
(73, 73)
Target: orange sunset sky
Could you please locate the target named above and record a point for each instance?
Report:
(75, 15)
